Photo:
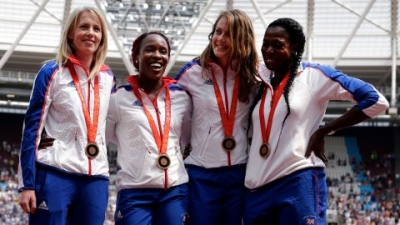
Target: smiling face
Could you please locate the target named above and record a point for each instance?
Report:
(86, 35)
(276, 49)
(221, 42)
(153, 57)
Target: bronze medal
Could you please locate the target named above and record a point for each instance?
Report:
(229, 143)
(92, 150)
(265, 150)
(163, 161)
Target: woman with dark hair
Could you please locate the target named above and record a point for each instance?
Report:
(285, 171)
(221, 82)
(146, 119)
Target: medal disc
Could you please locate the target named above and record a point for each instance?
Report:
(229, 143)
(265, 150)
(92, 150)
(163, 161)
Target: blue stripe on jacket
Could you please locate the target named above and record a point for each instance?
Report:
(32, 120)
(185, 67)
(363, 93)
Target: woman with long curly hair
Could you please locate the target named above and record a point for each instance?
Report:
(221, 82)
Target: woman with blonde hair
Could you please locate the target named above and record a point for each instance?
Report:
(221, 83)
(67, 182)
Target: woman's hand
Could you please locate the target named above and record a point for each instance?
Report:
(27, 201)
(317, 144)
(46, 142)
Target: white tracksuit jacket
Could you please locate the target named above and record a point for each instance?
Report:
(207, 129)
(314, 86)
(55, 105)
(128, 127)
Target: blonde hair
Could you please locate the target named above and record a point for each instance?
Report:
(66, 46)
(244, 58)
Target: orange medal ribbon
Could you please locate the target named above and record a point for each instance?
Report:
(161, 139)
(266, 131)
(91, 127)
(228, 118)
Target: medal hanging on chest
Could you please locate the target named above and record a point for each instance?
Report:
(227, 117)
(92, 149)
(265, 148)
(160, 137)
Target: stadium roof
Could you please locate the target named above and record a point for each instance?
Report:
(360, 37)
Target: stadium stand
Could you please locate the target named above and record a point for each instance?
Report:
(10, 211)
(360, 181)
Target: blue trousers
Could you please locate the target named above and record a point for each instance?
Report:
(297, 199)
(216, 196)
(64, 198)
(145, 206)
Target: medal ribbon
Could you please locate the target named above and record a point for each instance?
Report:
(91, 127)
(274, 102)
(228, 118)
(161, 139)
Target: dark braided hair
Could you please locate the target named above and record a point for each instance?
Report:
(296, 37)
(136, 46)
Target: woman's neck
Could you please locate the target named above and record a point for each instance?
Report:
(86, 61)
(151, 87)
(223, 63)
(277, 77)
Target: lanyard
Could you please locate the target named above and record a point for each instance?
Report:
(91, 127)
(266, 131)
(228, 118)
(161, 139)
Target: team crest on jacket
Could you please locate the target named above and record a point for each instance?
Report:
(137, 103)
(209, 82)
(71, 84)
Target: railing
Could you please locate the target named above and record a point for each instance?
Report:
(16, 77)
(26, 77)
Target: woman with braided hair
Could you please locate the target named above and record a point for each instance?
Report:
(285, 174)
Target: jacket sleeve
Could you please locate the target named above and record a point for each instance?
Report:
(112, 119)
(340, 86)
(184, 75)
(33, 124)
(187, 125)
